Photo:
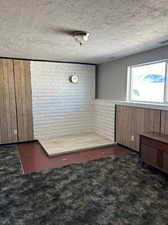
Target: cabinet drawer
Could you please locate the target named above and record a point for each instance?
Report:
(154, 144)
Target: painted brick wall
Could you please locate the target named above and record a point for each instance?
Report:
(60, 107)
(104, 118)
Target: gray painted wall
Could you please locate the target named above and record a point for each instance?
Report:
(112, 76)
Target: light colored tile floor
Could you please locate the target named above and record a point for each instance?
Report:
(73, 143)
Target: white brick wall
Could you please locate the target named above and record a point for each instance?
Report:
(60, 107)
(104, 118)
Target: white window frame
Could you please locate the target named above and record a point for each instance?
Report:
(129, 83)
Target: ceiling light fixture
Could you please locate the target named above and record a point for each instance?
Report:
(81, 36)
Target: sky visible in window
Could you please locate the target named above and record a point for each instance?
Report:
(148, 82)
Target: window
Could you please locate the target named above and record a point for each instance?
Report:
(147, 83)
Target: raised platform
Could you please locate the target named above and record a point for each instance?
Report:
(72, 143)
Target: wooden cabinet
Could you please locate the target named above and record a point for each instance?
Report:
(23, 99)
(154, 150)
(8, 120)
(15, 101)
(132, 121)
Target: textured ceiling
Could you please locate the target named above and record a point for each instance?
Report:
(37, 28)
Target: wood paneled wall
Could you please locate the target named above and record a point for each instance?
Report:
(164, 122)
(132, 121)
(148, 120)
(15, 101)
(124, 125)
(8, 122)
(23, 99)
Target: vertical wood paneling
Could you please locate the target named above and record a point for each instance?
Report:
(152, 120)
(22, 77)
(145, 120)
(124, 125)
(8, 125)
(132, 121)
(164, 122)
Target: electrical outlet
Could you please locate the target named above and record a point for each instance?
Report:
(15, 131)
(132, 138)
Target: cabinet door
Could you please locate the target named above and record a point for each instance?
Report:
(8, 124)
(23, 99)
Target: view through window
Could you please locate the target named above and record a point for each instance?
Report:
(147, 82)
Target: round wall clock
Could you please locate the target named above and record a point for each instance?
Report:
(74, 79)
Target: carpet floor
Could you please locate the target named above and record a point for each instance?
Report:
(107, 191)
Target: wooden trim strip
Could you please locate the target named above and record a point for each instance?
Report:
(44, 60)
(19, 142)
(15, 99)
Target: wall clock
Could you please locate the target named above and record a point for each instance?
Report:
(74, 79)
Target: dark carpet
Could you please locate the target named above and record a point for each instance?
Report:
(107, 191)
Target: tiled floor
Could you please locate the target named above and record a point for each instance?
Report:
(34, 158)
(72, 143)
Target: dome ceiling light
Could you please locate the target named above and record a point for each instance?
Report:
(81, 36)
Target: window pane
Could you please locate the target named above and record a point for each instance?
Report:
(147, 82)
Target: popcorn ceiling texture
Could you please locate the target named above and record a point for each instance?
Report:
(37, 29)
